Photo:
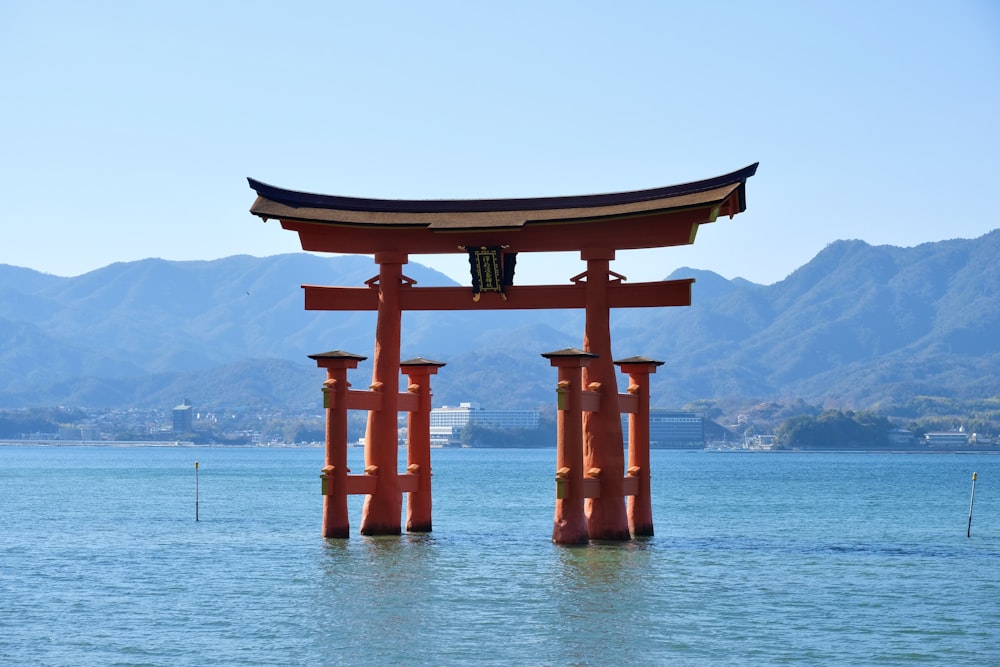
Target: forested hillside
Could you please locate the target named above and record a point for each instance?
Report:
(859, 326)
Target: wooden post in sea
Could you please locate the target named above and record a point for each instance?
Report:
(334, 475)
(639, 504)
(195, 490)
(380, 514)
(570, 523)
(968, 530)
(418, 442)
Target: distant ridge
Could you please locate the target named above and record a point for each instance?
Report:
(857, 326)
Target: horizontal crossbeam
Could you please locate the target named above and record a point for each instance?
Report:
(628, 404)
(521, 297)
(372, 400)
(355, 485)
(592, 487)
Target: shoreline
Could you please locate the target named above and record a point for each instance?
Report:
(317, 445)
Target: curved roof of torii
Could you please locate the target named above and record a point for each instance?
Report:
(623, 220)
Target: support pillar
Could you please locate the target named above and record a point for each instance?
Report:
(570, 524)
(603, 446)
(418, 443)
(381, 512)
(640, 506)
(334, 474)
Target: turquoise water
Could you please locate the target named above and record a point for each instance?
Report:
(758, 559)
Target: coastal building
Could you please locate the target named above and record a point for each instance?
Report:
(445, 436)
(182, 417)
(901, 437)
(675, 429)
(70, 433)
(947, 439)
(473, 413)
(447, 422)
(761, 442)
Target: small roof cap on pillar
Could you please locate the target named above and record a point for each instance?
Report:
(334, 355)
(420, 361)
(569, 352)
(639, 360)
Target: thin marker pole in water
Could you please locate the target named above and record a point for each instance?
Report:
(196, 491)
(968, 531)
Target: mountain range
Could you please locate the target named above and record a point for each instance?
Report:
(858, 326)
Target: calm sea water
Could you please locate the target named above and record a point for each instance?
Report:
(758, 559)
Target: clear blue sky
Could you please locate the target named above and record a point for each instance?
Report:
(127, 129)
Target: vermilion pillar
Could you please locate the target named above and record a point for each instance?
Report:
(640, 506)
(381, 512)
(336, 363)
(570, 524)
(603, 447)
(418, 443)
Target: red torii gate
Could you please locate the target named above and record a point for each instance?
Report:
(493, 231)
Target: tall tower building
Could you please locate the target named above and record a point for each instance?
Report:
(182, 417)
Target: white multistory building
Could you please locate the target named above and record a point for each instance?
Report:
(447, 422)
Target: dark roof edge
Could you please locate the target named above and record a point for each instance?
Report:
(309, 200)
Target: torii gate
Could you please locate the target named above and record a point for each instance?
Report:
(493, 232)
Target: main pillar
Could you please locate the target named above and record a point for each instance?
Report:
(418, 443)
(603, 447)
(336, 363)
(381, 512)
(570, 523)
(640, 505)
